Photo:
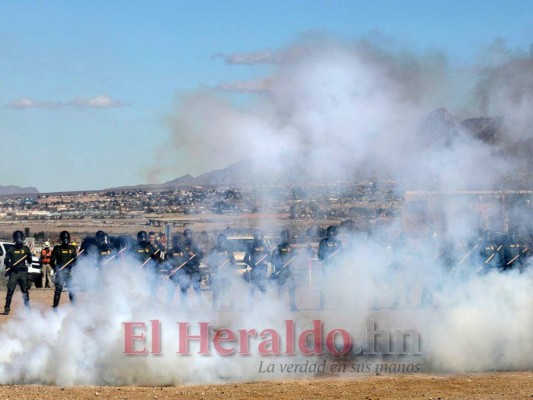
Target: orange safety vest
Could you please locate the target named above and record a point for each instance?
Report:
(46, 255)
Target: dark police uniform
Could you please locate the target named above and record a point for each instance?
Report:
(62, 262)
(149, 258)
(18, 274)
(327, 249)
(256, 258)
(192, 267)
(220, 260)
(174, 263)
(282, 259)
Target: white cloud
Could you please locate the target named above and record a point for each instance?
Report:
(27, 102)
(249, 86)
(259, 57)
(100, 101)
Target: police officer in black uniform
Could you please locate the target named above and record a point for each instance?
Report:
(143, 251)
(515, 255)
(89, 246)
(149, 259)
(328, 248)
(175, 260)
(156, 243)
(220, 261)
(104, 248)
(192, 267)
(256, 258)
(282, 259)
(16, 261)
(492, 253)
(62, 261)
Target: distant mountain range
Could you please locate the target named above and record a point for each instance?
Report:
(12, 189)
(236, 174)
(438, 129)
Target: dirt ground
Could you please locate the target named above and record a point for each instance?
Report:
(483, 386)
(498, 385)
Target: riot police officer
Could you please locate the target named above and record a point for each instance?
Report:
(143, 251)
(16, 261)
(149, 259)
(328, 248)
(491, 253)
(256, 258)
(515, 255)
(104, 248)
(156, 243)
(192, 266)
(89, 246)
(175, 260)
(282, 258)
(220, 260)
(62, 261)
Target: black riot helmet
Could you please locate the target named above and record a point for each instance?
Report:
(331, 231)
(103, 240)
(18, 238)
(142, 237)
(176, 241)
(99, 235)
(284, 237)
(187, 233)
(222, 241)
(64, 237)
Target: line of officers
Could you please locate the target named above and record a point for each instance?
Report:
(179, 265)
(488, 252)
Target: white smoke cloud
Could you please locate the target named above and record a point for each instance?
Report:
(101, 101)
(473, 324)
(360, 104)
(329, 110)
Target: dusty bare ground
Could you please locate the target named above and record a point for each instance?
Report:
(483, 386)
(508, 385)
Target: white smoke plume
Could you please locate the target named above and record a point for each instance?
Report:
(330, 111)
(361, 103)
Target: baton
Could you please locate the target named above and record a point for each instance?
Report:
(220, 266)
(148, 259)
(72, 259)
(467, 254)
(511, 261)
(284, 266)
(17, 263)
(490, 258)
(330, 256)
(110, 258)
(172, 272)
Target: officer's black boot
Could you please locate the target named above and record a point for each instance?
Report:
(57, 297)
(72, 297)
(26, 298)
(9, 296)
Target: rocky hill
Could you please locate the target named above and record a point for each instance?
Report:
(12, 189)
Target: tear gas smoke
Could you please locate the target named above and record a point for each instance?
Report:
(328, 111)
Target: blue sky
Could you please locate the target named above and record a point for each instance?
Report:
(86, 87)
